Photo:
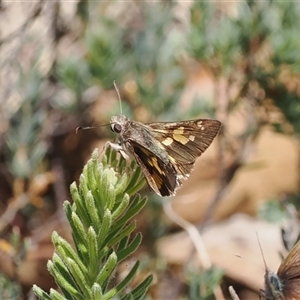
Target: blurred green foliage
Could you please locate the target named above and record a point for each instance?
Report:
(273, 212)
(257, 47)
(202, 284)
(144, 53)
(24, 149)
(9, 289)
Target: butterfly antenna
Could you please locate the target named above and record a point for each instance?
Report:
(89, 127)
(119, 97)
(249, 261)
(261, 251)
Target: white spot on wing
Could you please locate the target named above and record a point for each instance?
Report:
(168, 141)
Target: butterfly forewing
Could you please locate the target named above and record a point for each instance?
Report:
(193, 136)
(185, 141)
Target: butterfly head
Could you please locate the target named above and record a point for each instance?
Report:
(117, 123)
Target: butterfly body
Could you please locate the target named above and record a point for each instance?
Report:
(165, 151)
(273, 287)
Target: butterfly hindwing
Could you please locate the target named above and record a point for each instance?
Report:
(160, 175)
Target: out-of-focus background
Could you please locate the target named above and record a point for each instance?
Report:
(237, 62)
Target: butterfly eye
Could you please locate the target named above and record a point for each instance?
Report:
(117, 128)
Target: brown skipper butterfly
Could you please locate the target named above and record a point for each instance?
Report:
(285, 285)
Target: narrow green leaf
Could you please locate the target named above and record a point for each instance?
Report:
(104, 228)
(68, 210)
(103, 252)
(112, 175)
(121, 164)
(140, 291)
(137, 173)
(62, 268)
(92, 170)
(107, 269)
(92, 210)
(83, 186)
(78, 228)
(92, 246)
(65, 251)
(125, 252)
(76, 233)
(112, 155)
(120, 222)
(122, 184)
(123, 243)
(79, 205)
(104, 159)
(135, 178)
(97, 292)
(137, 187)
(80, 278)
(127, 297)
(100, 202)
(62, 282)
(114, 291)
(56, 295)
(40, 293)
(135, 207)
(110, 197)
(121, 207)
(107, 190)
(119, 235)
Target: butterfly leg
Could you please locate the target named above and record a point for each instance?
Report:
(118, 148)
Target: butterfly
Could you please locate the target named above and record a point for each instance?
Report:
(286, 283)
(165, 151)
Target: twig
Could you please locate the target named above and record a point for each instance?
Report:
(233, 293)
(14, 206)
(36, 11)
(196, 239)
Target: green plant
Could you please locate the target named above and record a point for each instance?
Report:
(202, 284)
(9, 289)
(102, 230)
